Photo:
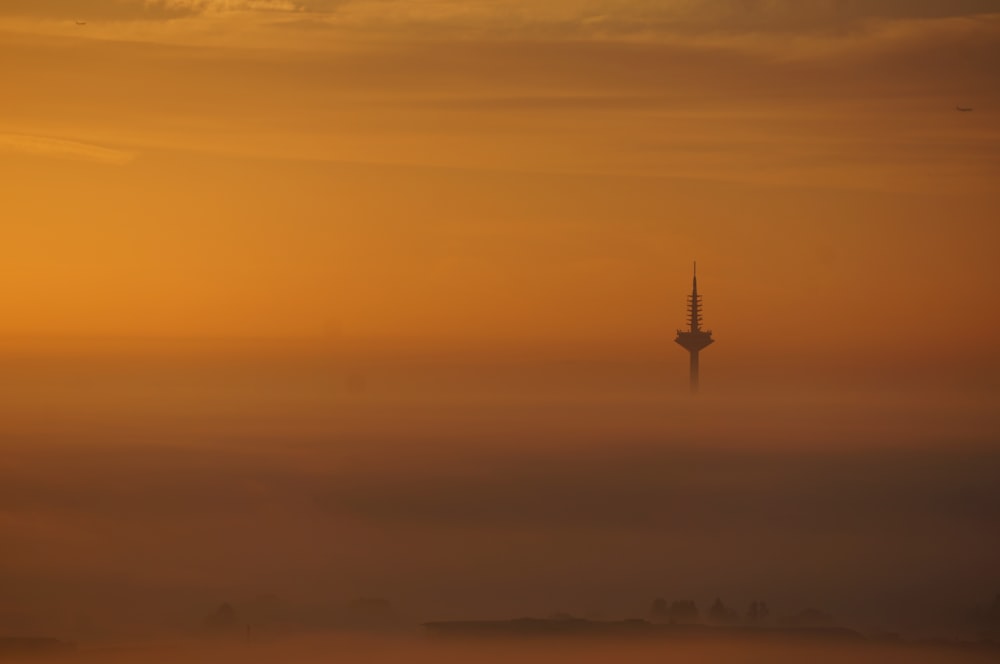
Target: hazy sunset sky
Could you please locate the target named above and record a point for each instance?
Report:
(242, 243)
(490, 174)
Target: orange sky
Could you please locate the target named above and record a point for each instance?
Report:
(498, 174)
(337, 298)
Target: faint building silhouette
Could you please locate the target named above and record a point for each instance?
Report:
(694, 339)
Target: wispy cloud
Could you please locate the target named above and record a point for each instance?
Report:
(98, 9)
(674, 88)
(608, 15)
(45, 146)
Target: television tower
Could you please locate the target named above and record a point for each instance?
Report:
(694, 339)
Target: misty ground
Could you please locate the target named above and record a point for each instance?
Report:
(422, 650)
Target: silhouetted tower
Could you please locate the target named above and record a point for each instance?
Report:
(694, 338)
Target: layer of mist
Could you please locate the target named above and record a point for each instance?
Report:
(140, 495)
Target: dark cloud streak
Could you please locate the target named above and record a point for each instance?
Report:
(112, 10)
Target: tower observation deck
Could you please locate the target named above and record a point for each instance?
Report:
(694, 339)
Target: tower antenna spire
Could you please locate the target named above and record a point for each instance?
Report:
(694, 339)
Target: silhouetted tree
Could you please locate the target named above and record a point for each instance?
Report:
(720, 615)
(658, 610)
(683, 612)
(223, 620)
(756, 613)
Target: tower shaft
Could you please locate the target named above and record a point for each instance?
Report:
(694, 371)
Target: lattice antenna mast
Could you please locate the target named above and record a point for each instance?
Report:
(694, 303)
(694, 339)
